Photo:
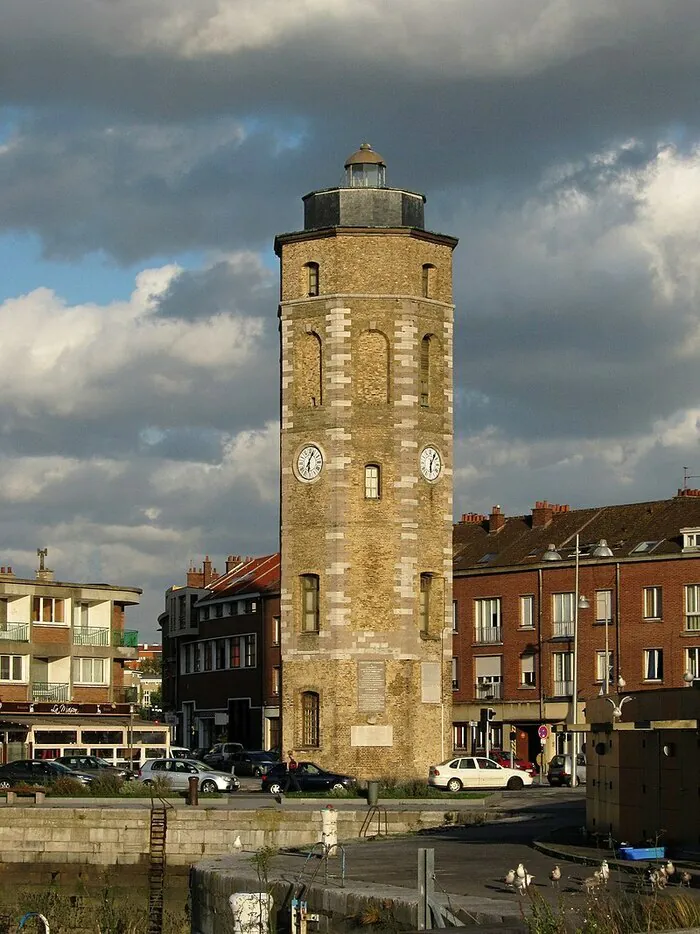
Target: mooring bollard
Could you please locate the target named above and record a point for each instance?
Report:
(329, 830)
(193, 791)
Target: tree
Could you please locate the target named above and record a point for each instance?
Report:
(151, 666)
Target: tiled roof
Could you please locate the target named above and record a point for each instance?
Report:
(252, 575)
(625, 528)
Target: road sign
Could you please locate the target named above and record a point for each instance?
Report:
(542, 732)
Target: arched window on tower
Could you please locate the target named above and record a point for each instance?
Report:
(310, 615)
(308, 370)
(310, 718)
(312, 278)
(372, 481)
(425, 371)
(372, 381)
(428, 274)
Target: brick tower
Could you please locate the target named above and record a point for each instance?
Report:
(366, 493)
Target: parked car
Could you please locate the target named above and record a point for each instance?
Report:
(179, 752)
(503, 758)
(93, 764)
(221, 756)
(475, 772)
(38, 772)
(179, 771)
(559, 772)
(311, 777)
(253, 762)
(198, 753)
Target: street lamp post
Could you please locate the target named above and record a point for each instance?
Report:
(580, 603)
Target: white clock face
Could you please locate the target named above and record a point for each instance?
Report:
(309, 462)
(430, 463)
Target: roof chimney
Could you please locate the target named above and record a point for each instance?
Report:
(194, 577)
(472, 518)
(688, 492)
(232, 561)
(496, 519)
(206, 571)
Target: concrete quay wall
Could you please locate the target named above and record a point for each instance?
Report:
(111, 835)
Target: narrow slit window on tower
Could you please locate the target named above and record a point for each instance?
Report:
(312, 273)
(310, 602)
(424, 602)
(372, 487)
(425, 371)
(428, 280)
(311, 715)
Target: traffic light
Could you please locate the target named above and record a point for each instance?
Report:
(487, 714)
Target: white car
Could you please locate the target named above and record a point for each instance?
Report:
(474, 772)
(179, 771)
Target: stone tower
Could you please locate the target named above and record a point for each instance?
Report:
(366, 490)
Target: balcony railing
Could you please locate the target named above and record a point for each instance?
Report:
(128, 638)
(563, 688)
(563, 629)
(50, 691)
(90, 636)
(487, 635)
(489, 691)
(17, 632)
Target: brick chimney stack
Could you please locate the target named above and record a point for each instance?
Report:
(543, 512)
(496, 519)
(472, 518)
(232, 561)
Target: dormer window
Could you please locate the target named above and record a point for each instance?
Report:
(691, 538)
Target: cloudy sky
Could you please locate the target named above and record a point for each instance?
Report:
(151, 149)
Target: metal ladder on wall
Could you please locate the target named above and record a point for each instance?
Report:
(156, 864)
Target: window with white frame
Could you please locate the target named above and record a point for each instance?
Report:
(563, 673)
(487, 616)
(528, 678)
(653, 604)
(455, 673)
(563, 614)
(527, 612)
(603, 606)
(47, 610)
(692, 607)
(276, 680)
(692, 662)
(691, 538)
(372, 489)
(276, 631)
(12, 667)
(489, 677)
(460, 735)
(454, 617)
(600, 667)
(653, 665)
(89, 671)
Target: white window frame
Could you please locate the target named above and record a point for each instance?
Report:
(692, 662)
(527, 611)
(276, 630)
(46, 601)
(652, 602)
(600, 666)
(276, 680)
(455, 673)
(455, 624)
(372, 481)
(81, 663)
(528, 678)
(15, 662)
(563, 671)
(692, 607)
(563, 613)
(488, 620)
(603, 606)
(653, 665)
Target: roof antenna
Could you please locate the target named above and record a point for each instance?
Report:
(688, 476)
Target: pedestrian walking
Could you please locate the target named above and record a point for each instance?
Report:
(292, 782)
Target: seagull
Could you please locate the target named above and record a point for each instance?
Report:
(510, 877)
(670, 868)
(555, 876)
(617, 709)
(605, 871)
(591, 883)
(686, 878)
(521, 871)
(237, 845)
(523, 884)
(662, 877)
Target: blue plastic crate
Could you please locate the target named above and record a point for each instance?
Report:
(646, 852)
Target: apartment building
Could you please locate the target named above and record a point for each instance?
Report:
(221, 654)
(519, 628)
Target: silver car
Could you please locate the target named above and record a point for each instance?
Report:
(179, 771)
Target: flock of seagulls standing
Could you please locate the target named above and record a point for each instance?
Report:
(657, 877)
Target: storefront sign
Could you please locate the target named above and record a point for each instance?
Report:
(64, 709)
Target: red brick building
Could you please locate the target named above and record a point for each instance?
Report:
(221, 654)
(514, 613)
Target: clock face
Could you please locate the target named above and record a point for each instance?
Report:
(430, 463)
(309, 462)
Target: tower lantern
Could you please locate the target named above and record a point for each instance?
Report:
(365, 169)
(366, 479)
